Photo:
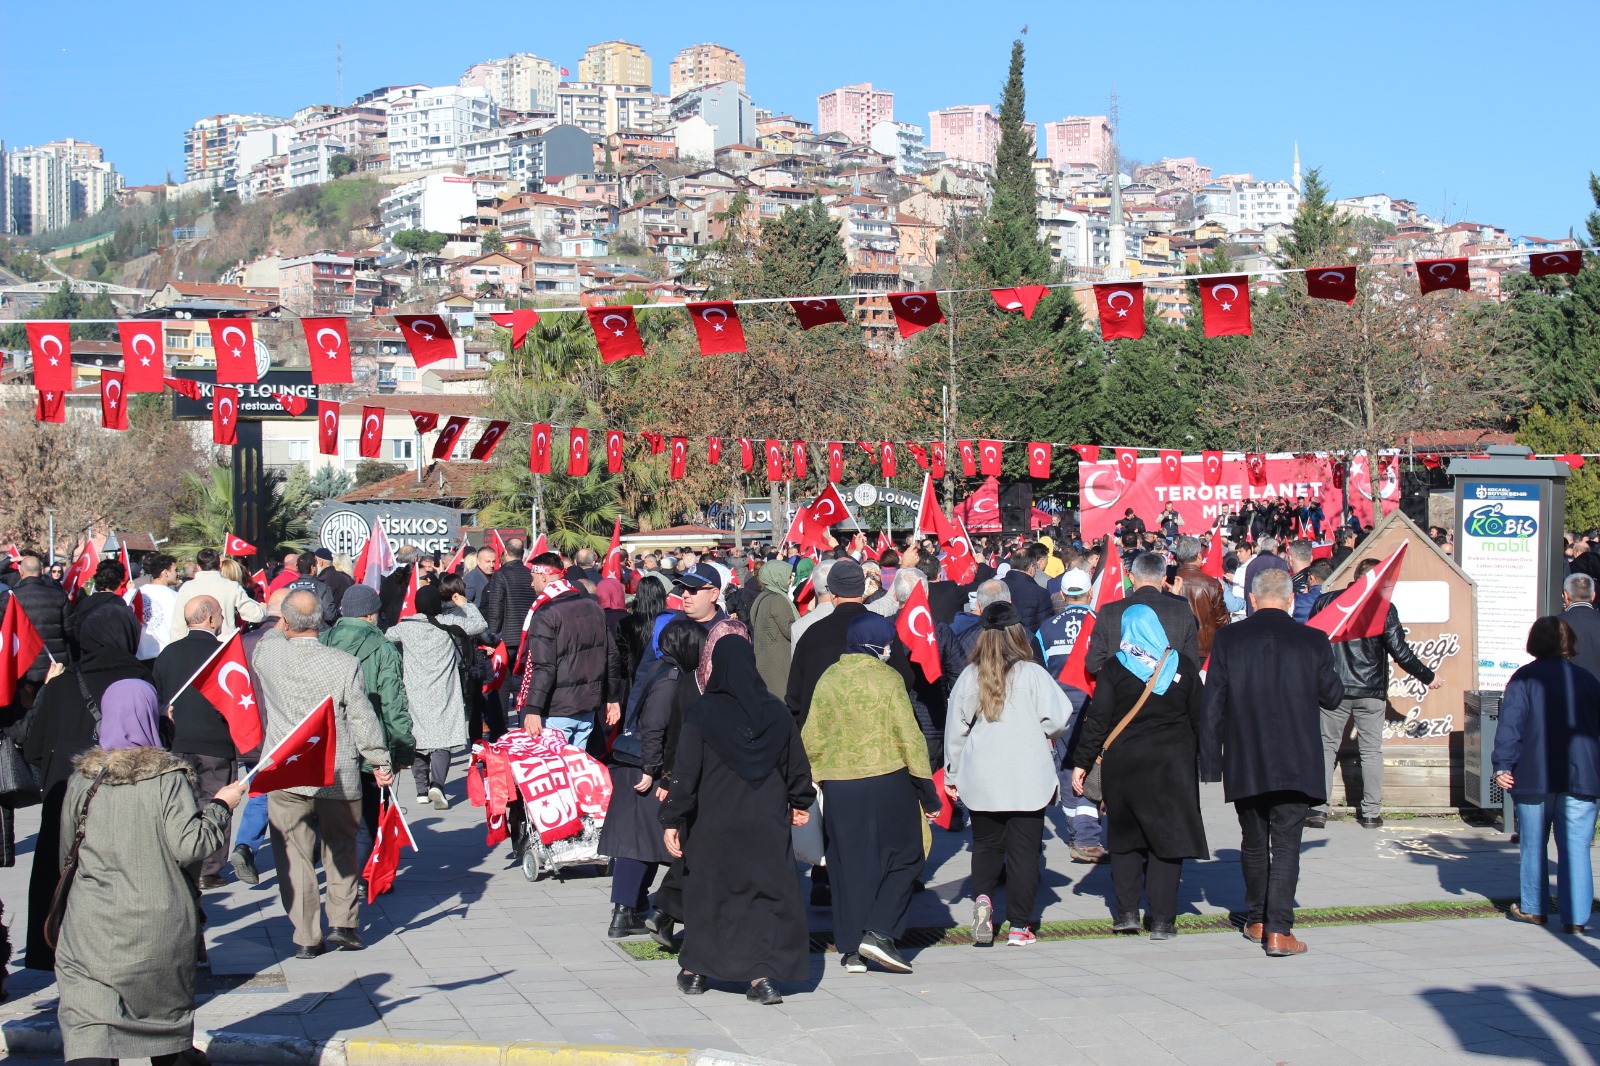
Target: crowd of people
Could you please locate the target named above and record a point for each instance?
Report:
(751, 705)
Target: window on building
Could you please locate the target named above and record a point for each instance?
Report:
(408, 373)
(401, 449)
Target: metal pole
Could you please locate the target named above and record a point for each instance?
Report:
(51, 511)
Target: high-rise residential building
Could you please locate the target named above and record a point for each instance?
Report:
(604, 108)
(520, 82)
(705, 64)
(903, 141)
(47, 187)
(428, 130)
(210, 146)
(970, 132)
(853, 110)
(1079, 140)
(615, 63)
(1247, 204)
(725, 107)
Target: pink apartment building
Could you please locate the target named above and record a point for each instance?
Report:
(968, 131)
(853, 110)
(1078, 140)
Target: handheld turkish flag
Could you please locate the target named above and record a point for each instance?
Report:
(612, 567)
(1332, 283)
(188, 388)
(1110, 589)
(1039, 459)
(797, 459)
(969, 458)
(445, 446)
(328, 346)
(615, 332)
(813, 313)
(614, 452)
(747, 455)
(384, 862)
(303, 759)
(408, 606)
(127, 576)
(78, 576)
(294, 405)
(371, 432)
(1212, 567)
(835, 461)
(425, 421)
(1023, 298)
(1225, 306)
(499, 664)
(519, 322)
(774, 451)
(989, 457)
(1171, 466)
(327, 427)
(500, 546)
(540, 546)
(577, 451)
(457, 558)
(491, 436)
(1128, 464)
(376, 560)
(1543, 264)
(143, 356)
(713, 450)
(936, 459)
(947, 807)
(1363, 607)
(679, 460)
(113, 402)
(20, 645)
(718, 328)
(1436, 274)
(914, 627)
(49, 405)
(887, 458)
(427, 337)
(51, 345)
(259, 581)
(960, 564)
(915, 311)
(234, 342)
(1087, 453)
(828, 508)
(1074, 672)
(1255, 466)
(237, 546)
(224, 415)
(1121, 310)
(1212, 463)
(930, 516)
(224, 680)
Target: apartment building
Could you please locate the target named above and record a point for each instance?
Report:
(427, 131)
(615, 63)
(329, 283)
(853, 110)
(704, 64)
(969, 132)
(725, 107)
(47, 187)
(904, 141)
(604, 108)
(521, 82)
(211, 146)
(311, 160)
(1078, 140)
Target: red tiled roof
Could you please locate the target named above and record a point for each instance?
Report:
(440, 481)
(448, 405)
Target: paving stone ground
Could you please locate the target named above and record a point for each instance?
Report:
(466, 948)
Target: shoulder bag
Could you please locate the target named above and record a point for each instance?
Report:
(1093, 785)
(69, 870)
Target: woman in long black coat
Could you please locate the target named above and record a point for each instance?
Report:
(1150, 778)
(740, 781)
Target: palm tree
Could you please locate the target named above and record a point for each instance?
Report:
(205, 514)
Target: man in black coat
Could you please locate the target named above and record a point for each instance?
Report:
(507, 595)
(1031, 601)
(1148, 572)
(823, 643)
(1261, 735)
(337, 580)
(45, 604)
(571, 667)
(1577, 592)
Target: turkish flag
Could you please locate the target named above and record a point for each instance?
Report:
(797, 459)
(1212, 461)
(812, 313)
(455, 560)
(303, 759)
(616, 332)
(113, 401)
(656, 442)
(717, 326)
(1255, 465)
(1363, 607)
(143, 356)
(887, 458)
(919, 454)
(444, 447)
(747, 455)
(969, 458)
(1074, 672)
(930, 516)
(1572, 459)
(1087, 453)
(327, 427)
(425, 421)
(49, 405)
(915, 311)
(989, 458)
(519, 322)
(1128, 464)
(233, 340)
(611, 566)
(1337, 471)
(1225, 306)
(774, 450)
(224, 415)
(1110, 579)
(835, 461)
(499, 663)
(1432, 460)
(577, 451)
(428, 338)
(805, 532)
(408, 605)
(1023, 298)
(1171, 466)
(828, 508)
(680, 458)
(1543, 264)
(371, 432)
(914, 626)
(1436, 274)
(1212, 567)
(936, 458)
(614, 451)
(51, 345)
(81, 572)
(328, 346)
(1332, 283)
(294, 405)
(539, 448)
(491, 436)
(20, 645)
(224, 680)
(1121, 310)
(384, 862)
(1039, 459)
(237, 546)
(960, 564)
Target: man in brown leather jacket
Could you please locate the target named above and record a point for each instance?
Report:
(1203, 591)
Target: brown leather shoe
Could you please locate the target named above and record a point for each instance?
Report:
(1280, 945)
(1516, 914)
(211, 881)
(1252, 932)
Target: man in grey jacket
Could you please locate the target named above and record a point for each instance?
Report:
(294, 673)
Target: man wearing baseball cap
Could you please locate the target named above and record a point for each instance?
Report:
(700, 589)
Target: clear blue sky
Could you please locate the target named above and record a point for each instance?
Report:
(1475, 110)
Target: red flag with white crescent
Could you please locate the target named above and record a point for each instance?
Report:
(615, 332)
(188, 388)
(294, 405)
(519, 322)
(614, 451)
(113, 401)
(835, 461)
(224, 415)
(328, 347)
(919, 454)
(425, 421)
(1110, 589)
(225, 681)
(1087, 453)
(1361, 610)
(539, 448)
(1074, 672)
(1121, 306)
(960, 563)
(1543, 264)
(49, 405)
(1171, 466)
(371, 432)
(814, 312)
(143, 356)
(1023, 298)
(915, 311)
(747, 454)
(1255, 465)
(679, 460)
(233, 340)
(936, 458)
(887, 458)
(1211, 461)
(491, 437)
(427, 337)
(1332, 283)
(408, 606)
(383, 865)
(306, 758)
(969, 458)
(612, 567)
(457, 558)
(327, 427)
(237, 546)
(797, 459)
(20, 645)
(499, 664)
(444, 447)
(81, 572)
(1039, 459)
(989, 458)
(828, 508)
(774, 451)
(577, 451)
(714, 450)
(717, 327)
(51, 346)
(914, 626)
(1436, 274)
(1128, 464)
(930, 516)
(1225, 306)
(1212, 566)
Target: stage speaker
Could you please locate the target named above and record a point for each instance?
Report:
(1016, 507)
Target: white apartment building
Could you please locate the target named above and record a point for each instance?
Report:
(505, 151)
(354, 127)
(427, 131)
(210, 146)
(45, 188)
(436, 202)
(520, 82)
(1080, 240)
(603, 108)
(310, 159)
(1248, 204)
(903, 140)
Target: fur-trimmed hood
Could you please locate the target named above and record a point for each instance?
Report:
(129, 766)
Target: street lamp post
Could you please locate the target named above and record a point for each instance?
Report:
(51, 512)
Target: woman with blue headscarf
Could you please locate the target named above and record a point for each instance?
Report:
(1148, 773)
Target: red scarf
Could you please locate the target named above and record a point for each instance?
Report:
(556, 586)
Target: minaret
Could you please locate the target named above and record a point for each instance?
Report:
(1117, 268)
(1296, 179)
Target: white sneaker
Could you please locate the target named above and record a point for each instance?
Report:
(437, 798)
(417, 801)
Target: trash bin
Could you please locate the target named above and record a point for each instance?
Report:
(1482, 714)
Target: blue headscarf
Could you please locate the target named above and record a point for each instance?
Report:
(1144, 642)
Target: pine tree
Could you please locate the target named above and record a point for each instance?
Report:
(1318, 231)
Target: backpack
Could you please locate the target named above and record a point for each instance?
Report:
(628, 748)
(467, 665)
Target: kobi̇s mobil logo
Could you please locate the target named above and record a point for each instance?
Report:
(1492, 521)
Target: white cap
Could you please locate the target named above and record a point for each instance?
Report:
(1074, 583)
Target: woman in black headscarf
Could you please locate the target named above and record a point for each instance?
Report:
(63, 725)
(740, 781)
